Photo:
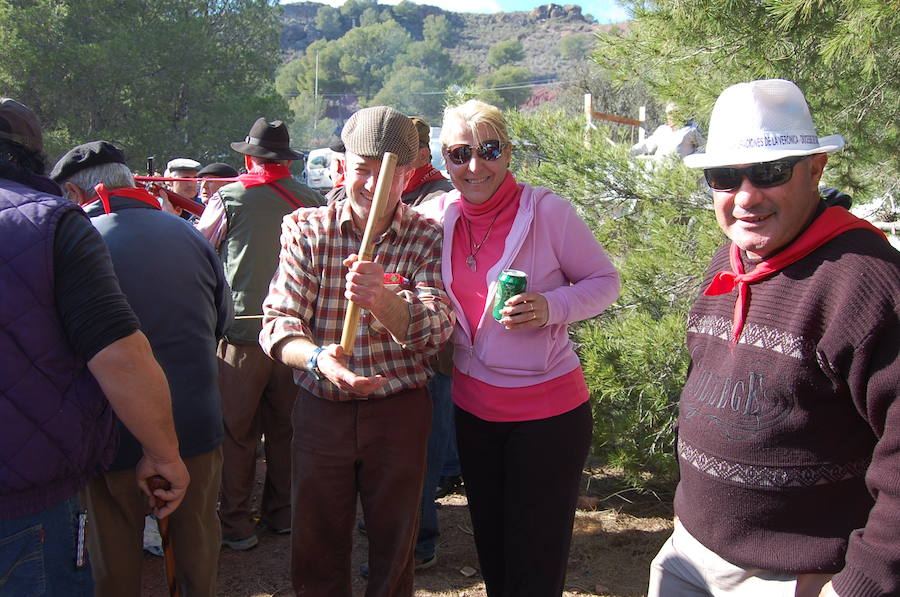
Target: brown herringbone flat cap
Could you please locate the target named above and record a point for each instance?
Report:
(371, 132)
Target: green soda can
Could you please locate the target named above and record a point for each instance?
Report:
(510, 283)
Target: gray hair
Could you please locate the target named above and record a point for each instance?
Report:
(113, 176)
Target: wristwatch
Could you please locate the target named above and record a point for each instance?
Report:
(312, 364)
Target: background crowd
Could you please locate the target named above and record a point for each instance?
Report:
(793, 342)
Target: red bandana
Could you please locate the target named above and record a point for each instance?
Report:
(262, 174)
(420, 176)
(833, 222)
(141, 195)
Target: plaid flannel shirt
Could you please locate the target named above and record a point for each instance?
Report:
(306, 296)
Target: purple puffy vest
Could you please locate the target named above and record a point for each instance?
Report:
(56, 427)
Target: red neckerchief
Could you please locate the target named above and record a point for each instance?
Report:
(259, 174)
(103, 195)
(420, 176)
(833, 222)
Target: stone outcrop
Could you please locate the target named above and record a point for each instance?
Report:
(555, 11)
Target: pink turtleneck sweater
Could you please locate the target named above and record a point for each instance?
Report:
(490, 223)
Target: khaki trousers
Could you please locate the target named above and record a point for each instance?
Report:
(116, 511)
(257, 397)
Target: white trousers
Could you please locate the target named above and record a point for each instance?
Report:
(684, 567)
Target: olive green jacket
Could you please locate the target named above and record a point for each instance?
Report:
(250, 249)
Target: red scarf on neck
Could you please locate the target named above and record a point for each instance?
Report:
(420, 176)
(259, 174)
(833, 222)
(103, 195)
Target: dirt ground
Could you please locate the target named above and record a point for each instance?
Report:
(617, 533)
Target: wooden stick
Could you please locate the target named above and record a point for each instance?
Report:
(382, 190)
(158, 482)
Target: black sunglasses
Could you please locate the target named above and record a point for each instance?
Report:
(489, 150)
(761, 175)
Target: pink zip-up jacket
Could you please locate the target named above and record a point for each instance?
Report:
(564, 262)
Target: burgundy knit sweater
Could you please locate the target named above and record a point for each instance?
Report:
(789, 440)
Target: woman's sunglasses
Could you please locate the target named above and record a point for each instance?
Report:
(762, 175)
(490, 151)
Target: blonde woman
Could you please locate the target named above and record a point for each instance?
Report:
(522, 415)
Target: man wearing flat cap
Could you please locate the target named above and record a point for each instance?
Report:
(425, 181)
(336, 170)
(70, 347)
(174, 282)
(183, 168)
(243, 220)
(189, 189)
(213, 177)
(362, 419)
(789, 421)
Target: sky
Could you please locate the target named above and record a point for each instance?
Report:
(605, 11)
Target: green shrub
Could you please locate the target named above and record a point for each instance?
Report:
(634, 366)
(656, 224)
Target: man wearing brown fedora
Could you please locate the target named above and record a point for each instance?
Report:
(789, 421)
(243, 221)
(362, 419)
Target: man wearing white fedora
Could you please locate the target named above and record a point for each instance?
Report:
(789, 421)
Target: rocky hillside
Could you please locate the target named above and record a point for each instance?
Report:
(540, 31)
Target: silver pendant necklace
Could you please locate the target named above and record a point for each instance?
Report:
(475, 247)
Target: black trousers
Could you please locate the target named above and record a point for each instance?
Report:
(522, 481)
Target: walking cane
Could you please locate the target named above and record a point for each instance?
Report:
(382, 190)
(155, 483)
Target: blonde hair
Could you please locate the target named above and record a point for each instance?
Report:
(474, 113)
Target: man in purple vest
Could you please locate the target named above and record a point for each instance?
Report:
(70, 347)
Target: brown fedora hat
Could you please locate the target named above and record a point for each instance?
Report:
(269, 140)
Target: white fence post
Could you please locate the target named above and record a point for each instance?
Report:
(642, 116)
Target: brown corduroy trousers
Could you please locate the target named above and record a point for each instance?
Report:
(373, 449)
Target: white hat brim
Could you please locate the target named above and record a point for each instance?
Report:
(753, 156)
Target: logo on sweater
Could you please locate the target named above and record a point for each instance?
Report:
(740, 406)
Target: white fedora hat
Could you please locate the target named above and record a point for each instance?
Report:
(761, 121)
